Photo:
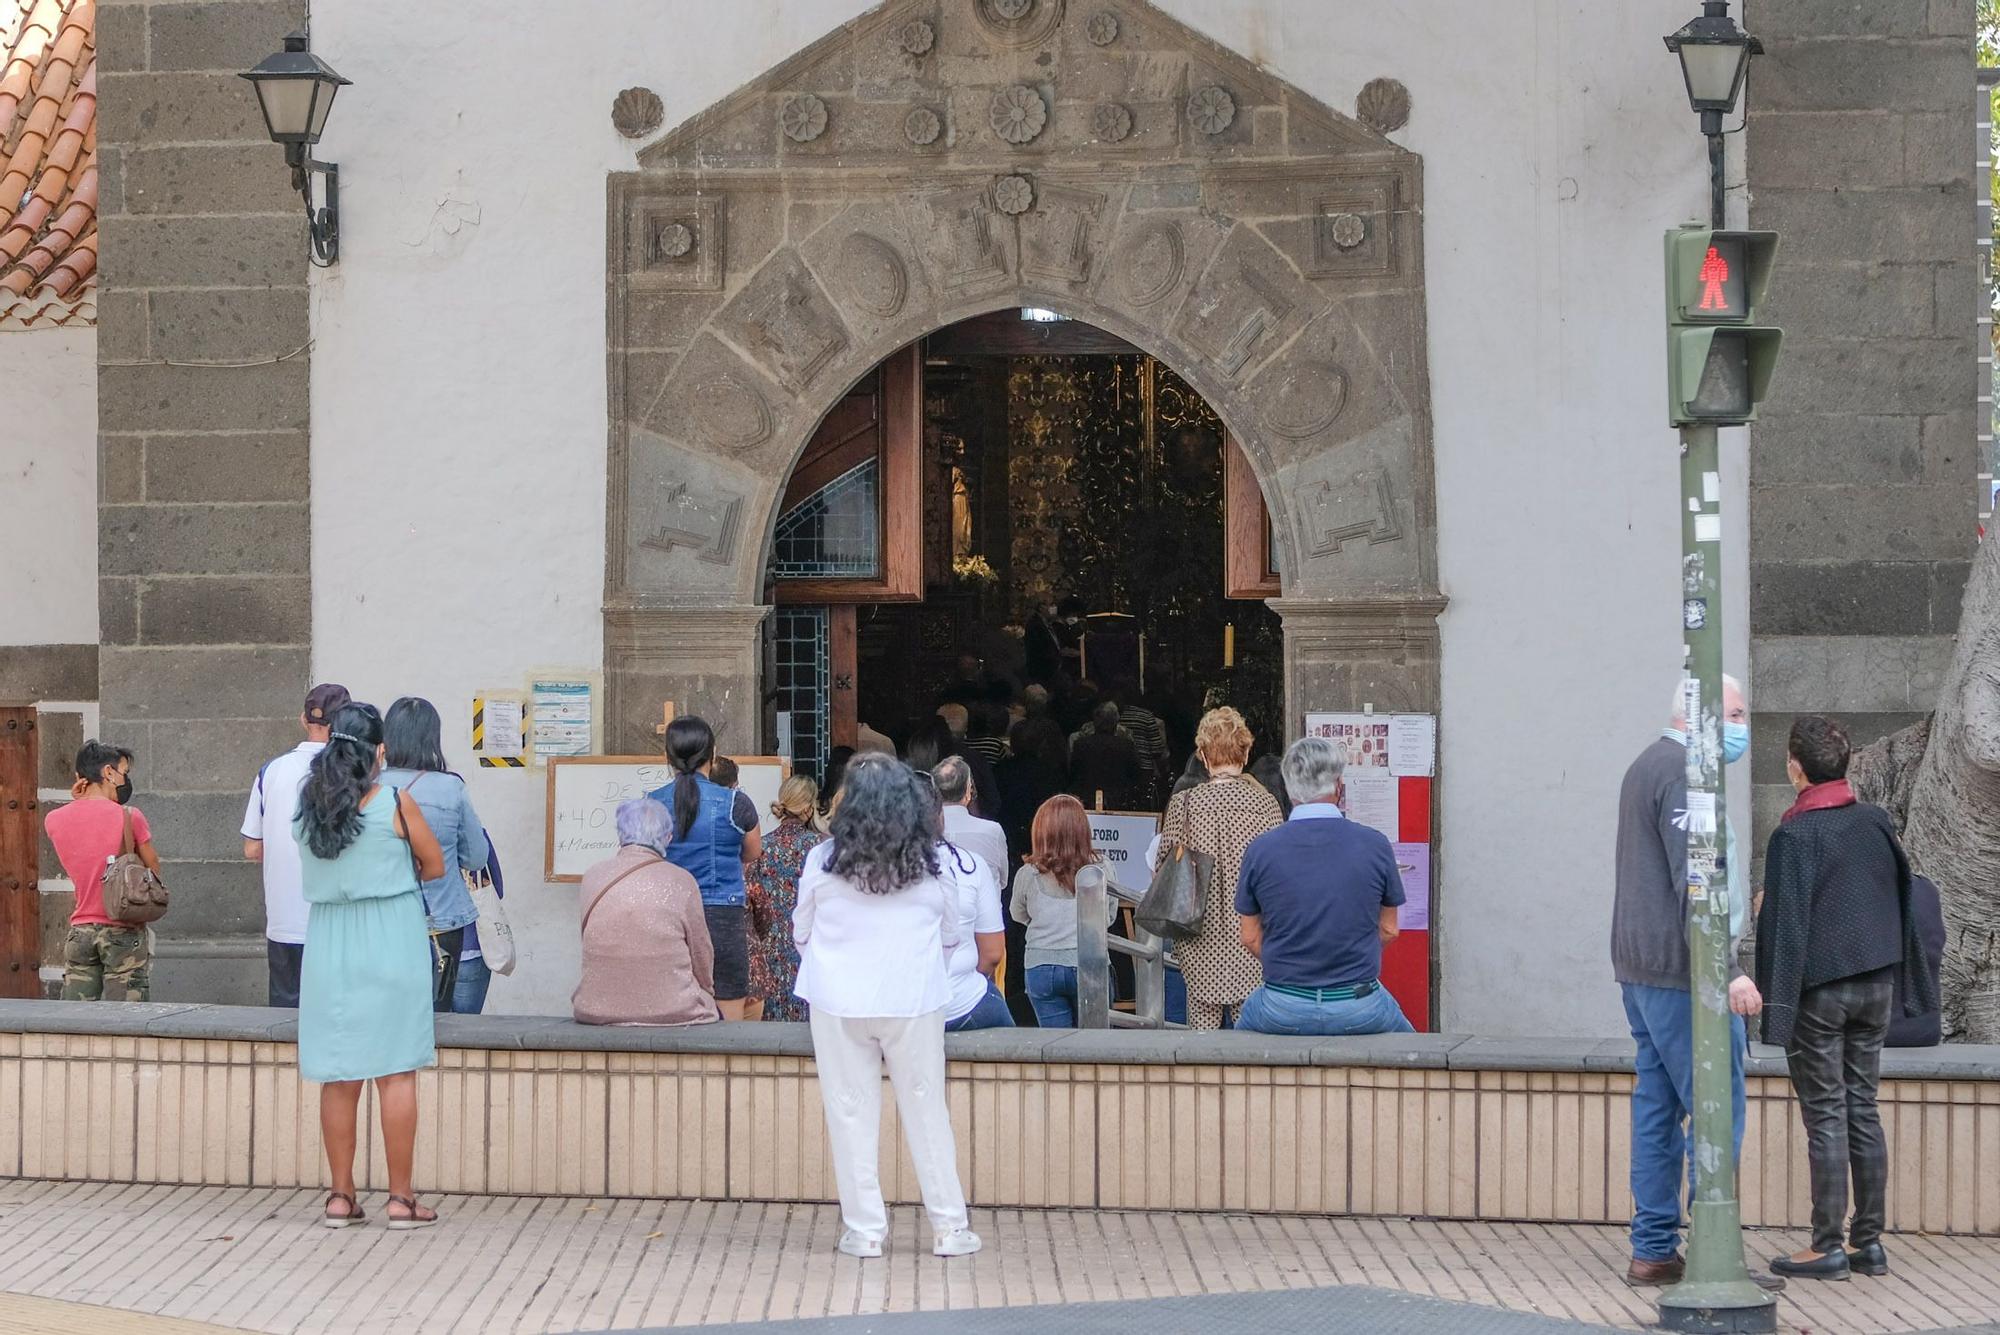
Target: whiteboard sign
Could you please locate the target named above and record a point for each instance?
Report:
(585, 793)
(1120, 838)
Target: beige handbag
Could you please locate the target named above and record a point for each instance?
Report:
(131, 892)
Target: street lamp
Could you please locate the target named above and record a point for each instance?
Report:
(1714, 55)
(295, 90)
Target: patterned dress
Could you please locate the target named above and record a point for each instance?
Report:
(771, 890)
(1219, 818)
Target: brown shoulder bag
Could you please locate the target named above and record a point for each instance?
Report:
(131, 892)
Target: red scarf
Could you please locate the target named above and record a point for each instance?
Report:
(1821, 797)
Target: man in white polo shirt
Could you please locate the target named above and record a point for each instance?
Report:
(267, 838)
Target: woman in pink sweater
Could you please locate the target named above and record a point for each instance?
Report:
(647, 958)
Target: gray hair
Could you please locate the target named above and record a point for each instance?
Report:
(1677, 714)
(1313, 766)
(953, 778)
(646, 823)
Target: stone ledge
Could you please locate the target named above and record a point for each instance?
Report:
(1116, 1047)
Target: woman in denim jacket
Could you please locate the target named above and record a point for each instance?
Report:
(413, 755)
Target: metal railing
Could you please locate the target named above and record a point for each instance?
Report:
(1096, 899)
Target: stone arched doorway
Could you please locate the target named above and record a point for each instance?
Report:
(939, 158)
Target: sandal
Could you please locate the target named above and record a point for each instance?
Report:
(348, 1220)
(419, 1216)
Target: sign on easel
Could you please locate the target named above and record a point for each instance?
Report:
(585, 793)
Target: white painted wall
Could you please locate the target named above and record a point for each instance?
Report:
(459, 406)
(48, 482)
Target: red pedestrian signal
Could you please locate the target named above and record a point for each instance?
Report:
(1719, 353)
(1714, 273)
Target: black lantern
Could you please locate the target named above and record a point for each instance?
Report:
(1714, 55)
(295, 90)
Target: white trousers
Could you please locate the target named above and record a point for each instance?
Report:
(850, 1055)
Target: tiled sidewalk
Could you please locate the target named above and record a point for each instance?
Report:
(256, 1259)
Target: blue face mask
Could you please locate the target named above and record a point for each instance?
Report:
(1735, 741)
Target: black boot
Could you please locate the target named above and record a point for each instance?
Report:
(1869, 1260)
(1833, 1265)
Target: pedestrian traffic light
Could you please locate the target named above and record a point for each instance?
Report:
(1719, 358)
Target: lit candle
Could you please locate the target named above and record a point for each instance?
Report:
(1229, 645)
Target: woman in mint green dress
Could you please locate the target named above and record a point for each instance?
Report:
(365, 984)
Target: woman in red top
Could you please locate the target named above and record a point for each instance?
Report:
(102, 957)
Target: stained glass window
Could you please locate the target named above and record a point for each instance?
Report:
(835, 533)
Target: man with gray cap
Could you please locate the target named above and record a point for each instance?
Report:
(267, 839)
(1318, 899)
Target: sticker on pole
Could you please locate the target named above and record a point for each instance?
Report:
(1698, 816)
(1694, 613)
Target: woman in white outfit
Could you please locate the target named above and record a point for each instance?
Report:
(875, 925)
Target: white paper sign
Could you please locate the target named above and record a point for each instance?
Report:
(503, 728)
(1373, 798)
(562, 718)
(1413, 745)
(1121, 839)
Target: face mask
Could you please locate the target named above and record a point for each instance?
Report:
(1735, 741)
(124, 792)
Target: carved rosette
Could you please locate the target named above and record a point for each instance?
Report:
(1211, 109)
(1102, 30)
(1383, 104)
(1348, 230)
(1112, 123)
(1018, 114)
(804, 118)
(916, 38)
(673, 241)
(922, 126)
(637, 112)
(1013, 194)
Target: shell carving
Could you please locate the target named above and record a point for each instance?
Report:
(922, 126)
(1212, 109)
(804, 119)
(637, 112)
(1013, 194)
(1383, 104)
(1112, 123)
(1018, 113)
(1012, 9)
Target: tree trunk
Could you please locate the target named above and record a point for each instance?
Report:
(1951, 826)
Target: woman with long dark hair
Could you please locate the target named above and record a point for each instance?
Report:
(413, 760)
(365, 983)
(715, 838)
(875, 923)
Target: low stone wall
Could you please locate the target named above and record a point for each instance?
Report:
(1424, 1125)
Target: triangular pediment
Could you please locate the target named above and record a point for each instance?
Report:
(1013, 82)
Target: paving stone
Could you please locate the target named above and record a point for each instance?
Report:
(31, 672)
(1843, 598)
(1848, 674)
(1833, 524)
(257, 466)
(215, 610)
(196, 683)
(152, 108)
(228, 37)
(256, 251)
(207, 178)
(195, 398)
(58, 737)
(1773, 19)
(202, 539)
(1928, 74)
(237, 323)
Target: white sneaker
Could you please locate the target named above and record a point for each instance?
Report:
(865, 1247)
(958, 1242)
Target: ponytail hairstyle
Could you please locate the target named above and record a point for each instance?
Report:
(341, 775)
(690, 745)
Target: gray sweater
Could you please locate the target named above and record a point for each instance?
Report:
(1049, 912)
(1649, 918)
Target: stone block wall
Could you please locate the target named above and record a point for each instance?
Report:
(1863, 502)
(204, 589)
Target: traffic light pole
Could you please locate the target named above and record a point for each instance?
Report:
(1717, 1294)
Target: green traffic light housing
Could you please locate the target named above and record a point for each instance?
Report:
(1720, 359)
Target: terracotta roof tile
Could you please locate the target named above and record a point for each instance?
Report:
(48, 162)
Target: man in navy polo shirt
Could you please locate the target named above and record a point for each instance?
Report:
(1318, 898)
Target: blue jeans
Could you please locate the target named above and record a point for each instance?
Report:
(1268, 1012)
(1662, 1020)
(990, 1013)
(469, 996)
(1052, 992)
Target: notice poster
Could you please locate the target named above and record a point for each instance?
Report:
(504, 737)
(1413, 864)
(562, 718)
(1365, 736)
(1413, 740)
(1374, 798)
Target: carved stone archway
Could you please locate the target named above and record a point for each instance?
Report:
(935, 159)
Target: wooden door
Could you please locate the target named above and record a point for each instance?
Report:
(20, 852)
(1249, 555)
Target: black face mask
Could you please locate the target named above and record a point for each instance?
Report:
(124, 792)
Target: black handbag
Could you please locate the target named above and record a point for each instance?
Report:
(1176, 900)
